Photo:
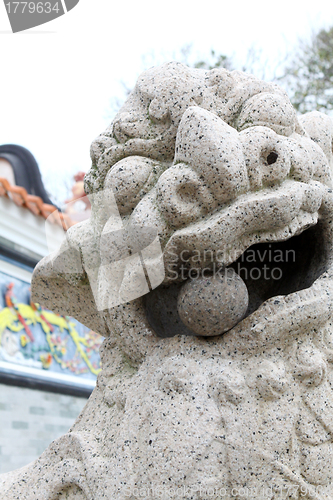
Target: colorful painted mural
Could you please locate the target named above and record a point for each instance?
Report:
(35, 337)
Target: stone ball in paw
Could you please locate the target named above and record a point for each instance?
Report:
(213, 305)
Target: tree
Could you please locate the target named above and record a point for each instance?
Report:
(214, 60)
(185, 55)
(308, 76)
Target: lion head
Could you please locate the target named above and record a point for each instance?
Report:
(213, 167)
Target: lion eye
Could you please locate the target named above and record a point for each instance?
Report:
(272, 158)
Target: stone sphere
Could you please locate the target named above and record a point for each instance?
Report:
(213, 305)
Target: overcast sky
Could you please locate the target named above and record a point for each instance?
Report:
(58, 80)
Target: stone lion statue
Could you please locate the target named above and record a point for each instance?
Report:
(206, 265)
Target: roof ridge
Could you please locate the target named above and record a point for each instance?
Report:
(34, 204)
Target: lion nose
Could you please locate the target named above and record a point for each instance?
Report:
(212, 148)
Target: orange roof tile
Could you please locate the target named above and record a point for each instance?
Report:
(35, 204)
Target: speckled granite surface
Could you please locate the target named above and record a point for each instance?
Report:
(214, 384)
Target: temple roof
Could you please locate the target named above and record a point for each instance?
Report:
(34, 204)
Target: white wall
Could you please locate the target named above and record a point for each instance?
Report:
(30, 420)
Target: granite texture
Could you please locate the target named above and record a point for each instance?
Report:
(217, 375)
(212, 305)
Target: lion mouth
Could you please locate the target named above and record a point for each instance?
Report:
(279, 242)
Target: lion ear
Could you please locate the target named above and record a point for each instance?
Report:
(319, 127)
(131, 179)
(182, 196)
(268, 109)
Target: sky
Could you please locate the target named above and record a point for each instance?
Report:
(59, 81)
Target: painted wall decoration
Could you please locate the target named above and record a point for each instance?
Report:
(37, 338)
